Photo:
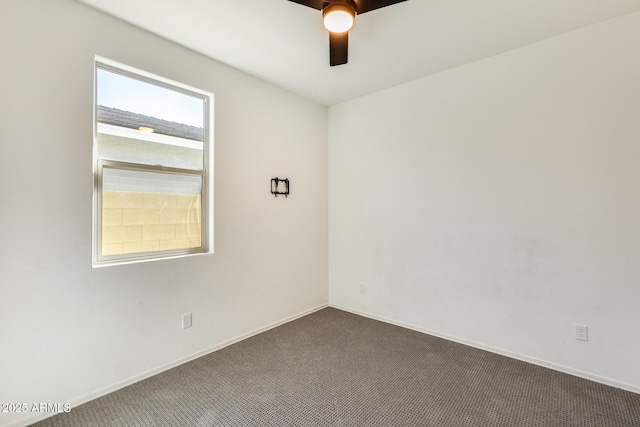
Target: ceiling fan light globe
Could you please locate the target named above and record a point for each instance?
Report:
(338, 18)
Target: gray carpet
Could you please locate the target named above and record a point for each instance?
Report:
(333, 368)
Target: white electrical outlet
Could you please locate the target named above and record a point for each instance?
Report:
(363, 288)
(186, 321)
(581, 332)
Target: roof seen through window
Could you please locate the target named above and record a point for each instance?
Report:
(135, 96)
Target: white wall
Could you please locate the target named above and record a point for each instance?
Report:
(67, 331)
(497, 203)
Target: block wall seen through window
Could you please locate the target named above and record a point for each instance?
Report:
(143, 222)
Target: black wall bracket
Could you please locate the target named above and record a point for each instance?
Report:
(280, 186)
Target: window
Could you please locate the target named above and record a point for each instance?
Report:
(152, 158)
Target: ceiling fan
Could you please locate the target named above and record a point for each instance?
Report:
(338, 17)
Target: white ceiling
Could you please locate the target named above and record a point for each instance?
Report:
(285, 43)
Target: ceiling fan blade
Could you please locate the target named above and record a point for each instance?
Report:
(369, 5)
(316, 4)
(338, 48)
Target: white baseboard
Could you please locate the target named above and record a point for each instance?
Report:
(546, 364)
(28, 420)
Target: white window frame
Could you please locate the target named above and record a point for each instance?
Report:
(206, 173)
